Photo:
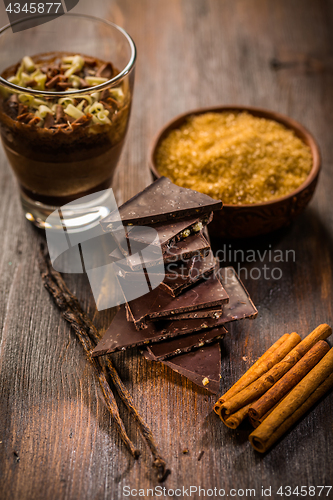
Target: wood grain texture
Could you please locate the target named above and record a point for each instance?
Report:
(57, 439)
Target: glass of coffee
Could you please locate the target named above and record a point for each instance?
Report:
(65, 98)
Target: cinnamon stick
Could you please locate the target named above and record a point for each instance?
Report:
(254, 372)
(266, 381)
(234, 420)
(252, 391)
(255, 422)
(260, 407)
(306, 393)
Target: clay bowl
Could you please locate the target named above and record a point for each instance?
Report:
(244, 221)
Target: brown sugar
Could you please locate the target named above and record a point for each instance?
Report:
(236, 157)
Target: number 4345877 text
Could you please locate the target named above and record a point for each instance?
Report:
(34, 8)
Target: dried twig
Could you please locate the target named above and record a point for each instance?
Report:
(82, 334)
(79, 320)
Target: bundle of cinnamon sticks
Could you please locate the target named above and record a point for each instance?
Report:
(287, 380)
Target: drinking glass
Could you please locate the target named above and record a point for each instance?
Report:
(56, 166)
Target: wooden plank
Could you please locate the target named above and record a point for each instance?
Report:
(190, 53)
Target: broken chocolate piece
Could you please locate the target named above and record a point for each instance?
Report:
(122, 334)
(178, 275)
(209, 312)
(185, 343)
(181, 275)
(195, 245)
(203, 366)
(159, 304)
(160, 201)
(240, 306)
(168, 233)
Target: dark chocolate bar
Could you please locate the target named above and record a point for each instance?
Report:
(203, 366)
(185, 343)
(240, 306)
(209, 312)
(159, 304)
(160, 201)
(168, 233)
(122, 334)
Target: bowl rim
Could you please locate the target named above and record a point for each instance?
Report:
(285, 120)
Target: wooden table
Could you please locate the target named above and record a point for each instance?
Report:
(57, 440)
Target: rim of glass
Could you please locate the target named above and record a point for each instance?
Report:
(96, 88)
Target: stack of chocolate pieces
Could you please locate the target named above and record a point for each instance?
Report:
(162, 235)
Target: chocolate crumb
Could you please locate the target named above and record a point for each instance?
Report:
(90, 61)
(64, 85)
(31, 83)
(112, 102)
(59, 113)
(22, 109)
(69, 119)
(34, 121)
(48, 121)
(105, 94)
(105, 71)
(83, 83)
(25, 117)
(54, 81)
(83, 120)
(106, 106)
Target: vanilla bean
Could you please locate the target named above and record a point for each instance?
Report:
(69, 301)
(159, 462)
(82, 334)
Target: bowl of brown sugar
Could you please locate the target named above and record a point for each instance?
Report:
(263, 165)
